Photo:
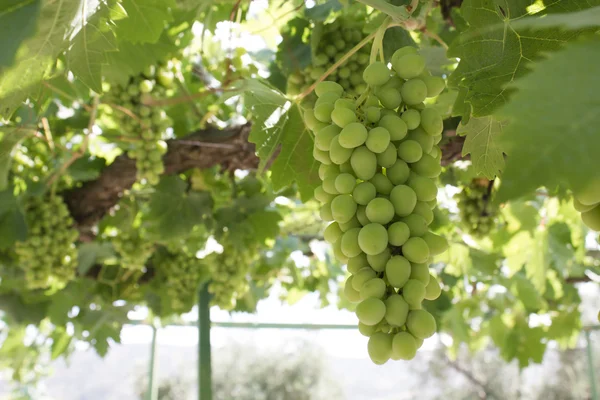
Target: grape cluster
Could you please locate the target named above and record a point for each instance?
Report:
(148, 127)
(477, 211)
(338, 38)
(133, 249)
(379, 160)
(587, 202)
(48, 256)
(180, 276)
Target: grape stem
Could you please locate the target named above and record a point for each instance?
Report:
(335, 66)
(378, 41)
(398, 13)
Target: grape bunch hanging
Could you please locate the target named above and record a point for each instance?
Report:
(48, 256)
(337, 38)
(477, 211)
(587, 202)
(379, 159)
(147, 125)
(133, 248)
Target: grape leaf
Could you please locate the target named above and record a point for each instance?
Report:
(293, 52)
(60, 342)
(17, 22)
(483, 143)
(92, 253)
(490, 59)
(587, 18)
(173, 213)
(539, 262)
(37, 53)
(13, 227)
(278, 126)
(394, 38)
(265, 224)
(86, 169)
(11, 138)
(554, 139)
(145, 20)
(527, 293)
(320, 12)
(87, 55)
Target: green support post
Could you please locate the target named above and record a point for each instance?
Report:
(152, 390)
(204, 363)
(590, 358)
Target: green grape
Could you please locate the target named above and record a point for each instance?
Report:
(395, 126)
(397, 271)
(353, 135)
(412, 118)
(364, 163)
(433, 289)
(361, 277)
(364, 192)
(346, 168)
(410, 151)
(366, 330)
(421, 324)
(398, 173)
(590, 194)
(337, 251)
(351, 294)
(345, 183)
(326, 171)
(396, 310)
(413, 92)
(404, 200)
(324, 136)
(389, 97)
(424, 187)
(373, 288)
(431, 121)
(424, 211)
(416, 225)
(329, 185)
(398, 233)
(343, 208)
(321, 156)
(581, 207)
(337, 152)
(380, 210)
(372, 238)
(146, 86)
(413, 292)
(373, 114)
(408, 66)
(382, 184)
(370, 311)
(345, 103)
(323, 112)
(591, 218)
(388, 157)
(361, 215)
(343, 117)
(325, 212)
(420, 272)
(332, 233)
(437, 244)
(435, 85)
(416, 250)
(376, 74)
(402, 52)
(322, 195)
(378, 140)
(380, 347)
(349, 243)
(404, 346)
(427, 166)
(355, 264)
(378, 261)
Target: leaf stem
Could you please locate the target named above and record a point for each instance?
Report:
(435, 37)
(398, 13)
(335, 66)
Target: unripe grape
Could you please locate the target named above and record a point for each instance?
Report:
(420, 272)
(337, 153)
(345, 103)
(363, 275)
(373, 114)
(380, 210)
(431, 121)
(364, 192)
(390, 98)
(353, 135)
(581, 207)
(329, 185)
(343, 208)
(349, 243)
(325, 212)
(337, 252)
(404, 199)
(412, 118)
(435, 85)
(370, 311)
(437, 244)
(423, 187)
(401, 52)
(321, 156)
(366, 330)
(421, 324)
(416, 224)
(380, 347)
(324, 136)
(382, 184)
(327, 98)
(413, 292)
(379, 261)
(351, 294)
(378, 140)
(376, 74)
(427, 166)
(410, 151)
(323, 112)
(415, 250)
(343, 116)
(398, 233)
(345, 183)
(364, 163)
(413, 92)
(373, 288)
(433, 289)
(361, 215)
(398, 173)
(591, 218)
(325, 171)
(589, 194)
(355, 264)
(404, 346)
(397, 271)
(332, 233)
(372, 239)
(388, 157)
(395, 126)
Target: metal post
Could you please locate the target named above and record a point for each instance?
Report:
(152, 390)
(204, 364)
(590, 358)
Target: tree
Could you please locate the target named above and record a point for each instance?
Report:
(149, 147)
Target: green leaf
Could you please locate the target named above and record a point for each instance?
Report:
(173, 213)
(92, 253)
(265, 224)
(17, 22)
(145, 20)
(436, 60)
(517, 251)
(13, 227)
(86, 169)
(320, 12)
(394, 38)
(293, 52)
(12, 137)
(37, 53)
(539, 262)
(490, 59)
(278, 126)
(554, 139)
(87, 55)
(483, 144)
(587, 18)
(60, 342)
(527, 293)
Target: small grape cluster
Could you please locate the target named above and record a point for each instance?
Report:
(229, 272)
(133, 249)
(150, 123)
(379, 159)
(180, 276)
(48, 256)
(338, 38)
(477, 211)
(587, 202)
